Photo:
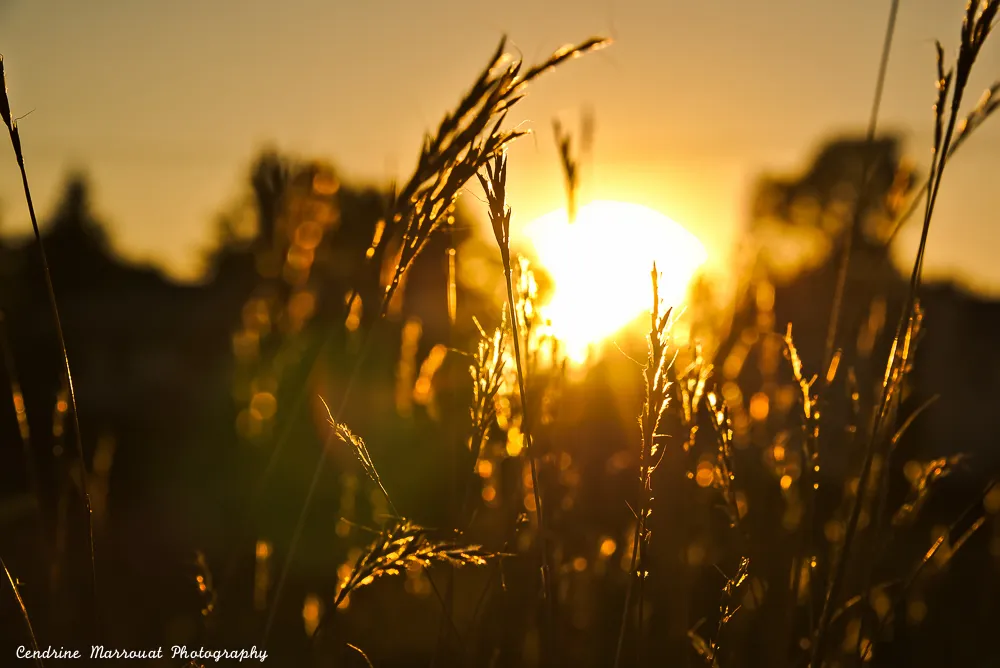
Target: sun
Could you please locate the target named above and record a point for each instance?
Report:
(600, 266)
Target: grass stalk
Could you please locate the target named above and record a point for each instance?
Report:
(454, 461)
(24, 612)
(976, 27)
(494, 185)
(15, 140)
(311, 491)
(988, 103)
(526, 431)
(466, 140)
(570, 168)
(656, 375)
(866, 176)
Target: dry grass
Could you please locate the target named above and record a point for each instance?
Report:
(466, 140)
(24, 612)
(657, 388)
(975, 29)
(569, 161)
(487, 372)
(15, 139)
(400, 544)
(344, 433)
(471, 141)
(494, 184)
(881, 435)
(403, 544)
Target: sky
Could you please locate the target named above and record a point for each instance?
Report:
(165, 104)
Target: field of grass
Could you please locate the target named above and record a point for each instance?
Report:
(410, 473)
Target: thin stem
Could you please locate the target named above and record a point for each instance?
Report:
(84, 486)
(644, 503)
(919, 196)
(454, 462)
(840, 572)
(883, 408)
(313, 486)
(320, 465)
(312, 358)
(643, 547)
(852, 230)
(363, 655)
(631, 571)
(649, 418)
(24, 612)
(529, 451)
(912, 577)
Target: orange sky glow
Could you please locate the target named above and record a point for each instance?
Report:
(164, 104)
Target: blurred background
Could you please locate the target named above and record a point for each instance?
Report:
(210, 179)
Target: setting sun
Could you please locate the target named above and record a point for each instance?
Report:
(600, 266)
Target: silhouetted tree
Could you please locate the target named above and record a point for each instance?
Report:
(794, 250)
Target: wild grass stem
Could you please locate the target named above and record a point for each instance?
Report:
(657, 396)
(15, 140)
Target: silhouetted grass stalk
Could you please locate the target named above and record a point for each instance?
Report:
(410, 543)
(319, 352)
(15, 140)
(454, 461)
(911, 579)
(810, 429)
(854, 228)
(988, 103)
(976, 27)
(466, 140)
(570, 168)
(650, 454)
(494, 185)
(24, 611)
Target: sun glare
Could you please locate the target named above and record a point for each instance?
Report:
(600, 265)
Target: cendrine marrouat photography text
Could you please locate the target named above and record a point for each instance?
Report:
(175, 652)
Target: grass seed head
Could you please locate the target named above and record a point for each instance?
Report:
(465, 142)
(344, 433)
(494, 184)
(4, 100)
(487, 371)
(403, 544)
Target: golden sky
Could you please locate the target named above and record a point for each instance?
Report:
(165, 103)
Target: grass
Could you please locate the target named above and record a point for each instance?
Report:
(465, 141)
(651, 452)
(494, 184)
(821, 605)
(24, 613)
(975, 29)
(15, 139)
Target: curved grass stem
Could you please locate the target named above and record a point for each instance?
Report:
(15, 140)
(530, 453)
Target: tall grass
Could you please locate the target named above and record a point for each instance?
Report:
(400, 544)
(976, 27)
(885, 424)
(466, 140)
(651, 451)
(805, 591)
(494, 184)
(24, 612)
(854, 228)
(15, 140)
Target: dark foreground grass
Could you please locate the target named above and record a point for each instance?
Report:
(826, 603)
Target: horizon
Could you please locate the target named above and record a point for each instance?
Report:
(166, 142)
(647, 386)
